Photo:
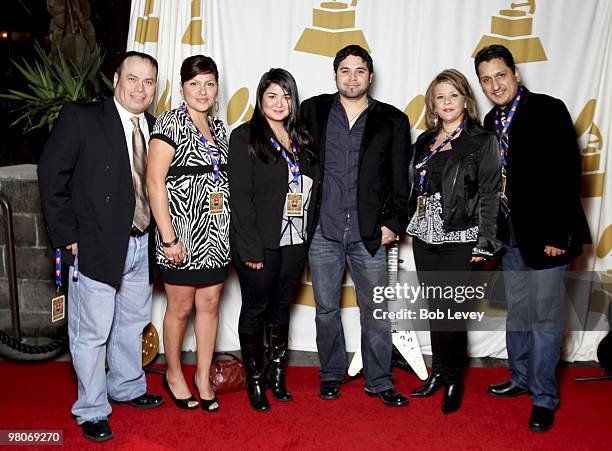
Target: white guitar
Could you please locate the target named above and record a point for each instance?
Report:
(405, 341)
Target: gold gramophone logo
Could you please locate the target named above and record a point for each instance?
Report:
(593, 170)
(165, 100)
(147, 26)
(513, 28)
(333, 27)
(415, 110)
(239, 107)
(193, 33)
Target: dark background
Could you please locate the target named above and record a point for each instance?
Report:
(27, 21)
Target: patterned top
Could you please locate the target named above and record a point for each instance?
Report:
(430, 229)
(190, 183)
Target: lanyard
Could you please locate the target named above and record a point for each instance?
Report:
(58, 268)
(421, 166)
(502, 129)
(294, 168)
(204, 141)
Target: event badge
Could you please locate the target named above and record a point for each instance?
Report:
(58, 308)
(215, 203)
(421, 207)
(294, 205)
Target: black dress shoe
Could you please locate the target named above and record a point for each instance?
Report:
(146, 401)
(97, 431)
(506, 389)
(433, 384)
(541, 419)
(453, 395)
(390, 397)
(329, 390)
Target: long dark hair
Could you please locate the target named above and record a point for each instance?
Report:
(261, 132)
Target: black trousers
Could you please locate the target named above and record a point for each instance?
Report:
(268, 293)
(435, 265)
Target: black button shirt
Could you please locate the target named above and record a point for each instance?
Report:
(339, 199)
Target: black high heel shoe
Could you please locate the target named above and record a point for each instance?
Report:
(432, 385)
(180, 403)
(206, 403)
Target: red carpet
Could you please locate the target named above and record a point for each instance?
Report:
(354, 421)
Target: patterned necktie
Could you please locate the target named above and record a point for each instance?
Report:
(142, 213)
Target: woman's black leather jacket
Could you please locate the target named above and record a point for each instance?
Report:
(470, 184)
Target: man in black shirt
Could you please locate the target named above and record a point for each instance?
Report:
(364, 149)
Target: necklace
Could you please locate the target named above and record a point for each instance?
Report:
(356, 115)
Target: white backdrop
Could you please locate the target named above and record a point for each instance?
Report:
(564, 48)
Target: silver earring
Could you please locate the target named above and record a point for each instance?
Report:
(435, 119)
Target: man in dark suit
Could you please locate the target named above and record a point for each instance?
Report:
(541, 221)
(364, 148)
(91, 177)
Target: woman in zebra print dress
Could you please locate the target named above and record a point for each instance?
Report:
(188, 192)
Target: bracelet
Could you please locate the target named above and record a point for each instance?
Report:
(172, 243)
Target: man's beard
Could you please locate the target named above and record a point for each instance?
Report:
(352, 93)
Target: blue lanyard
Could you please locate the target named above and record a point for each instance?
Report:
(214, 161)
(294, 168)
(421, 165)
(58, 268)
(502, 129)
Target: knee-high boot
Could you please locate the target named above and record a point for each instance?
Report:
(278, 340)
(251, 347)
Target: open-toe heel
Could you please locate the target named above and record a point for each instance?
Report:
(206, 403)
(180, 403)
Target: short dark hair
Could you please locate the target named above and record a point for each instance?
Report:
(196, 65)
(491, 52)
(131, 53)
(260, 128)
(355, 50)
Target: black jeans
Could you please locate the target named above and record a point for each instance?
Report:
(267, 293)
(435, 265)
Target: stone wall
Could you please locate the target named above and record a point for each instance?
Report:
(33, 254)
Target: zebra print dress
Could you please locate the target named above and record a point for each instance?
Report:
(189, 182)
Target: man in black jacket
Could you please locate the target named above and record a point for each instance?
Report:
(364, 149)
(92, 186)
(541, 221)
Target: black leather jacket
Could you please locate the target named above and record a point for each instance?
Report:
(470, 184)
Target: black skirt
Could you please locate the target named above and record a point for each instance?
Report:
(208, 276)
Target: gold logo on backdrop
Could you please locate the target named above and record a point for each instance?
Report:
(147, 27)
(593, 171)
(164, 101)
(193, 33)
(604, 247)
(239, 107)
(513, 29)
(415, 111)
(333, 27)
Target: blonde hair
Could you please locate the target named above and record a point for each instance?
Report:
(460, 83)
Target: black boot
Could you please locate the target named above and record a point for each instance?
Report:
(433, 384)
(453, 395)
(278, 338)
(251, 347)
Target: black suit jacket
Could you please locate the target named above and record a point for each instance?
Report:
(544, 177)
(383, 184)
(86, 188)
(257, 197)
